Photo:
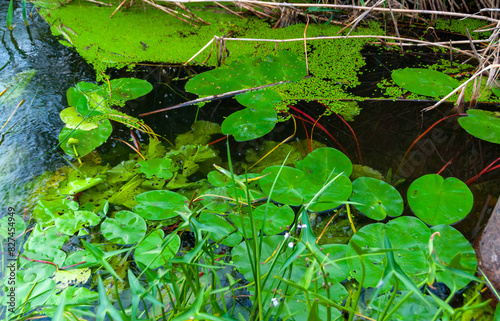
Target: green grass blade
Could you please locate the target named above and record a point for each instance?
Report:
(25, 17)
(10, 15)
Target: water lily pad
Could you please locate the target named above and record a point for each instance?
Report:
(220, 229)
(377, 198)
(331, 197)
(153, 252)
(248, 124)
(483, 124)
(74, 94)
(439, 201)
(125, 228)
(74, 120)
(161, 205)
(425, 82)
(291, 185)
(284, 66)
(71, 223)
(447, 245)
(128, 88)
(259, 99)
(277, 218)
(86, 141)
(324, 163)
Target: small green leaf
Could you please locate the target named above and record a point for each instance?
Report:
(259, 99)
(154, 251)
(128, 88)
(425, 82)
(377, 198)
(74, 120)
(161, 205)
(88, 140)
(325, 163)
(483, 124)
(125, 228)
(248, 124)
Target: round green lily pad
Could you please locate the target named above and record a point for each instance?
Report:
(259, 99)
(331, 197)
(425, 82)
(149, 251)
(88, 140)
(290, 188)
(74, 120)
(125, 228)
(248, 124)
(483, 124)
(161, 205)
(128, 88)
(439, 201)
(325, 163)
(377, 198)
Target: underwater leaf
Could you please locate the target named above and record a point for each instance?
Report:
(291, 185)
(156, 250)
(377, 198)
(439, 201)
(248, 124)
(325, 163)
(74, 120)
(71, 223)
(84, 141)
(161, 205)
(73, 278)
(77, 186)
(259, 99)
(483, 124)
(425, 82)
(220, 229)
(447, 245)
(128, 88)
(159, 167)
(125, 228)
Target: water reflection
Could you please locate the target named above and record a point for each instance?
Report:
(28, 148)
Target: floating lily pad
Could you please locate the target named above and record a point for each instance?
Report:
(128, 88)
(483, 124)
(71, 223)
(153, 253)
(377, 198)
(331, 197)
(220, 229)
(325, 163)
(439, 201)
(259, 99)
(125, 228)
(290, 188)
(425, 82)
(84, 141)
(74, 94)
(74, 120)
(248, 124)
(447, 245)
(160, 205)
(277, 218)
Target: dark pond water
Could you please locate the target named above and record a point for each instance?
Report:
(28, 148)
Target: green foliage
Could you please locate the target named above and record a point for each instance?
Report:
(439, 201)
(483, 124)
(425, 82)
(10, 14)
(376, 198)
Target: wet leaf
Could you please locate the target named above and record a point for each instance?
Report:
(439, 201)
(259, 99)
(74, 120)
(71, 223)
(80, 185)
(128, 88)
(87, 141)
(220, 230)
(377, 198)
(325, 163)
(291, 185)
(73, 277)
(161, 205)
(425, 82)
(159, 167)
(156, 250)
(483, 124)
(248, 124)
(125, 228)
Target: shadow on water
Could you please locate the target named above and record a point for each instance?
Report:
(27, 148)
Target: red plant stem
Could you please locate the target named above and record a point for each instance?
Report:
(485, 170)
(321, 127)
(216, 141)
(307, 136)
(136, 143)
(40, 261)
(355, 138)
(422, 135)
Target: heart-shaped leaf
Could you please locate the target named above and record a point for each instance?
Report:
(483, 124)
(323, 163)
(84, 141)
(74, 120)
(128, 88)
(248, 124)
(259, 99)
(377, 198)
(439, 201)
(155, 250)
(425, 82)
(290, 188)
(161, 205)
